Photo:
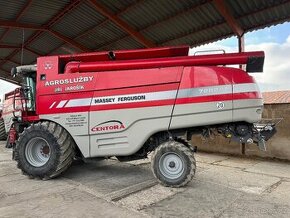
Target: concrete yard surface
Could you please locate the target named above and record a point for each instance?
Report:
(224, 186)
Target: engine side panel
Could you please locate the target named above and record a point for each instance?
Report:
(124, 131)
(215, 95)
(204, 97)
(249, 110)
(247, 99)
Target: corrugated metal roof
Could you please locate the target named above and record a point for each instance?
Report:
(26, 57)
(162, 22)
(117, 6)
(277, 15)
(193, 21)
(75, 22)
(124, 43)
(45, 43)
(277, 97)
(10, 9)
(104, 34)
(252, 14)
(202, 36)
(2, 30)
(41, 12)
(241, 8)
(8, 66)
(64, 49)
(5, 52)
(15, 36)
(158, 10)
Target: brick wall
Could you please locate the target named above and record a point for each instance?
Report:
(277, 147)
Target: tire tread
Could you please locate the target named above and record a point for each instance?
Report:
(3, 134)
(183, 148)
(64, 141)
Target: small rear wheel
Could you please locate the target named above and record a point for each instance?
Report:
(44, 150)
(173, 164)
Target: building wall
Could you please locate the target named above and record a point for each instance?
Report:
(277, 147)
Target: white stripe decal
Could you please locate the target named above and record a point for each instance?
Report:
(205, 91)
(61, 104)
(79, 102)
(245, 87)
(51, 106)
(161, 95)
(140, 97)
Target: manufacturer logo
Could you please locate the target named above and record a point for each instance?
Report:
(108, 126)
(220, 105)
(47, 65)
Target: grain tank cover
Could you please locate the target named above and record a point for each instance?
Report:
(253, 60)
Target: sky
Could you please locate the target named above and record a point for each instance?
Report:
(274, 41)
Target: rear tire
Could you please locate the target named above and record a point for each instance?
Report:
(173, 164)
(44, 150)
(3, 134)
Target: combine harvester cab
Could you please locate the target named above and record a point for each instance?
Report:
(130, 103)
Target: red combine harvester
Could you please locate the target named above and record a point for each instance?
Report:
(130, 103)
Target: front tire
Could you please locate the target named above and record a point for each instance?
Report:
(3, 134)
(44, 150)
(173, 164)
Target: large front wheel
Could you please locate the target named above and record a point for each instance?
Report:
(173, 164)
(3, 134)
(44, 150)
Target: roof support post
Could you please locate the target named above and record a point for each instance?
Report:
(241, 41)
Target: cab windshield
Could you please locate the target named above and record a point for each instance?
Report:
(29, 88)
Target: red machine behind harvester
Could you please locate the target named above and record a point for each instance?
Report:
(130, 103)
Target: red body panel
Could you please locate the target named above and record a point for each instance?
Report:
(129, 54)
(132, 74)
(201, 60)
(206, 76)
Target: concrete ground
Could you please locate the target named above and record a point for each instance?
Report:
(224, 186)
